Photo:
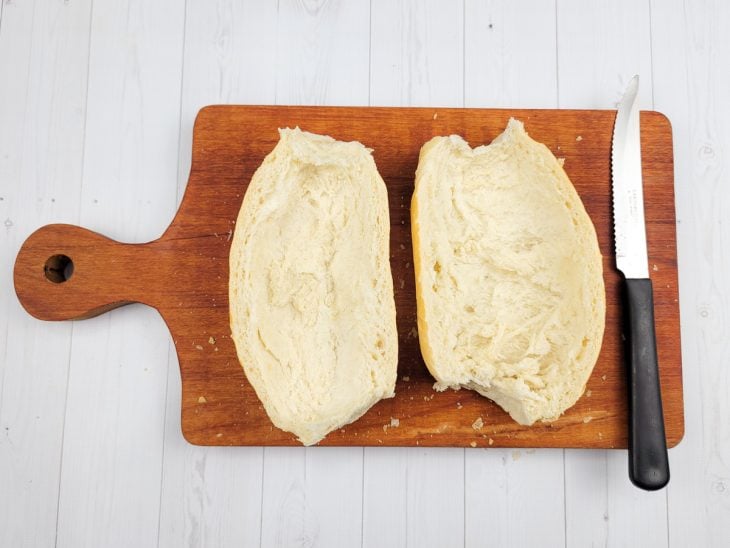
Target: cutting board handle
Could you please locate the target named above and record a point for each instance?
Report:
(65, 272)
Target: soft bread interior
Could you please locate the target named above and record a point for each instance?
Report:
(509, 277)
(311, 292)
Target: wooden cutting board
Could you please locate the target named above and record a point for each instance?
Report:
(184, 275)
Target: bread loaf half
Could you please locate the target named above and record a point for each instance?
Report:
(509, 278)
(311, 292)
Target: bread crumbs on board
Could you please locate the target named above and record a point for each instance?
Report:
(478, 424)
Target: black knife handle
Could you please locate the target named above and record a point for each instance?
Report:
(648, 460)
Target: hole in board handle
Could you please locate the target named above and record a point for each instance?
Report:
(58, 268)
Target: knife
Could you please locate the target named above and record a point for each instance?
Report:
(648, 460)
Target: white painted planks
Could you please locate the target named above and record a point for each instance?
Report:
(510, 54)
(690, 52)
(43, 62)
(210, 496)
(385, 497)
(322, 52)
(312, 497)
(112, 450)
(112, 453)
(601, 46)
(514, 497)
(417, 53)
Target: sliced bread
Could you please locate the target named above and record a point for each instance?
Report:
(311, 293)
(509, 277)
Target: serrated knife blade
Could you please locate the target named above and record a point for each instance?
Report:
(628, 195)
(648, 459)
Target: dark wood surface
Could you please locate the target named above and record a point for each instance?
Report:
(184, 275)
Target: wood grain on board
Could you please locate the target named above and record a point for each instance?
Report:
(184, 275)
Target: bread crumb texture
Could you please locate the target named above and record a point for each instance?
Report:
(509, 276)
(310, 288)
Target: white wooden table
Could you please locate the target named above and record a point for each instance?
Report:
(97, 102)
